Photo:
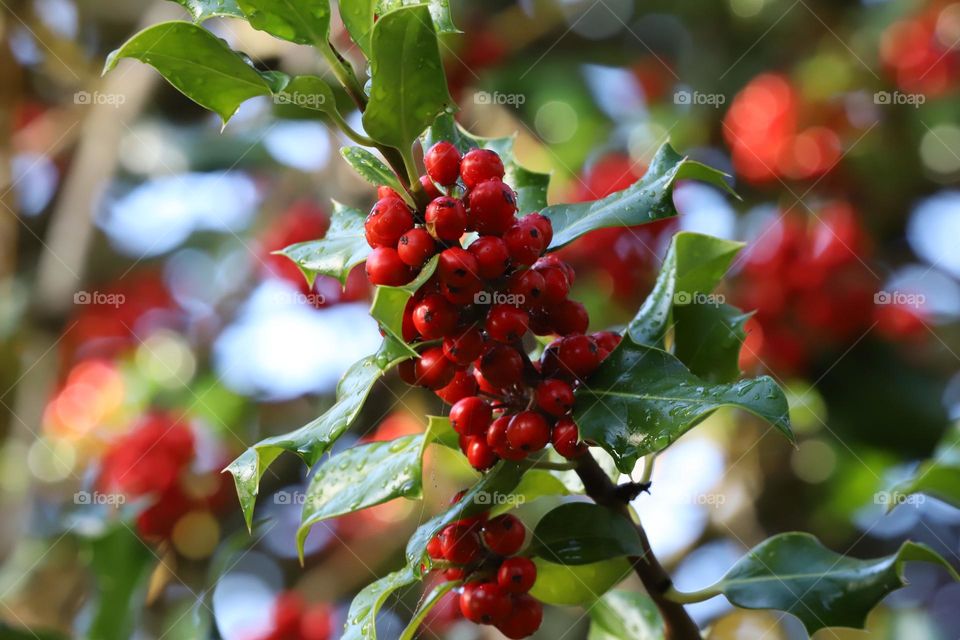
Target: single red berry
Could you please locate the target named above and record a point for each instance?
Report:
(524, 619)
(556, 285)
(460, 544)
(528, 431)
(607, 340)
(465, 347)
(388, 220)
(442, 161)
(544, 225)
(555, 397)
(462, 386)
(446, 218)
(504, 534)
(525, 242)
(492, 256)
(387, 192)
(429, 187)
(433, 369)
(484, 603)
(565, 439)
(574, 356)
(462, 294)
(482, 383)
(408, 329)
(539, 322)
(497, 440)
(502, 366)
(517, 575)
(480, 456)
(492, 208)
(384, 267)
(416, 247)
(434, 549)
(569, 317)
(452, 575)
(506, 323)
(434, 317)
(471, 416)
(526, 287)
(408, 371)
(479, 165)
(551, 260)
(457, 267)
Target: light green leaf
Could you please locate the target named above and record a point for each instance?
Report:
(439, 11)
(536, 483)
(642, 399)
(358, 18)
(204, 9)
(389, 303)
(625, 615)
(793, 572)
(409, 86)
(583, 533)
(371, 168)
(306, 92)
(577, 585)
(939, 476)
(343, 247)
(197, 63)
(300, 21)
(442, 589)
(440, 430)
(362, 616)
(648, 199)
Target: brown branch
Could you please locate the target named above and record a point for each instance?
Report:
(678, 625)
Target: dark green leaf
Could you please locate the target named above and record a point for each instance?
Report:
(306, 92)
(793, 572)
(442, 589)
(8, 632)
(581, 533)
(343, 247)
(203, 9)
(708, 337)
(197, 63)
(625, 615)
(649, 199)
(121, 563)
(357, 16)
(642, 399)
(439, 11)
(315, 438)
(389, 303)
(536, 483)
(408, 86)
(362, 616)
(938, 477)
(300, 21)
(371, 168)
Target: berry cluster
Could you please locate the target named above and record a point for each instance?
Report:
(496, 580)
(481, 303)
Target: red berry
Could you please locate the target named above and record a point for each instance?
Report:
(492, 256)
(408, 371)
(416, 247)
(497, 440)
(565, 439)
(384, 267)
(442, 161)
(528, 431)
(465, 347)
(471, 416)
(569, 317)
(434, 317)
(504, 534)
(527, 288)
(556, 285)
(429, 187)
(460, 544)
(433, 369)
(524, 619)
(388, 220)
(479, 165)
(544, 225)
(484, 603)
(574, 356)
(607, 340)
(457, 267)
(462, 386)
(434, 549)
(446, 218)
(492, 207)
(482, 383)
(506, 323)
(408, 329)
(480, 456)
(502, 366)
(464, 294)
(387, 192)
(452, 575)
(555, 397)
(525, 242)
(517, 575)
(551, 260)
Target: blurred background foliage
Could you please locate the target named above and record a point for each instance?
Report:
(147, 334)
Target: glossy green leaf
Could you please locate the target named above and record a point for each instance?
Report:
(439, 11)
(428, 603)
(343, 247)
(642, 399)
(939, 476)
(648, 199)
(121, 563)
(362, 617)
(306, 92)
(300, 21)
(440, 430)
(793, 572)
(204, 9)
(625, 615)
(536, 483)
(408, 84)
(202, 66)
(371, 168)
(358, 17)
(708, 338)
(389, 303)
(582, 533)
(315, 438)
(577, 585)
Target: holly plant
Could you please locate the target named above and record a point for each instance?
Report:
(473, 303)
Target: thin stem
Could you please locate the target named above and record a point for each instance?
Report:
(553, 466)
(411, 167)
(350, 132)
(648, 468)
(692, 597)
(344, 73)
